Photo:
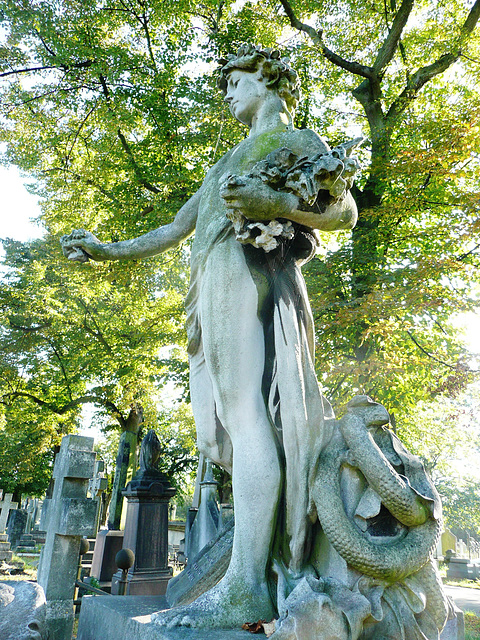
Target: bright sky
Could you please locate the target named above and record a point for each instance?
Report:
(17, 207)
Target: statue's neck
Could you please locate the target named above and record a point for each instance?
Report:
(271, 115)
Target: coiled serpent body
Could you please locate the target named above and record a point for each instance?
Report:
(393, 560)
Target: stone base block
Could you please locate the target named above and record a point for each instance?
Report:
(455, 627)
(128, 618)
(6, 556)
(145, 583)
(59, 619)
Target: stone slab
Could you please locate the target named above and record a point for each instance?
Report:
(205, 570)
(128, 618)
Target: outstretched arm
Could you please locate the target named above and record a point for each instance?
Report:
(82, 245)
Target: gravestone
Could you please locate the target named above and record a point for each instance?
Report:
(96, 486)
(146, 525)
(31, 507)
(107, 544)
(124, 470)
(6, 505)
(16, 526)
(448, 541)
(71, 516)
(26, 543)
(208, 520)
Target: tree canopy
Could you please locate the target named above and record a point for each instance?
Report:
(110, 107)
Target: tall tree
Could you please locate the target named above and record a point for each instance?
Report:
(112, 109)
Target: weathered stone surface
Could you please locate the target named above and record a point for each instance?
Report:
(128, 618)
(204, 571)
(22, 611)
(208, 521)
(16, 526)
(70, 515)
(107, 545)
(455, 627)
(6, 505)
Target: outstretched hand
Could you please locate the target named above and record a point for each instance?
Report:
(81, 246)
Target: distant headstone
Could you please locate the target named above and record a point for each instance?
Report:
(124, 470)
(448, 541)
(16, 526)
(6, 505)
(146, 525)
(208, 520)
(71, 516)
(107, 545)
(26, 543)
(31, 508)
(96, 486)
(44, 514)
(461, 569)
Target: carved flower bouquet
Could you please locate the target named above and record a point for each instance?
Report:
(317, 182)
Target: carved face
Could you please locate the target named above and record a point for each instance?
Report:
(246, 93)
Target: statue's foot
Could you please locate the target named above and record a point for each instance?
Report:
(228, 605)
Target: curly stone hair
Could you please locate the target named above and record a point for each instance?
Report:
(278, 73)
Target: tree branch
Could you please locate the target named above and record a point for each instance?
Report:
(317, 39)
(427, 353)
(77, 176)
(126, 147)
(63, 67)
(107, 404)
(136, 169)
(387, 51)
(60, 362)
(416, 81)
(29, 70)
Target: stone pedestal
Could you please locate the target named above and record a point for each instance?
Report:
(462, 569)
(5, 552)
(26, 543)
(120, 618)
(146, 533)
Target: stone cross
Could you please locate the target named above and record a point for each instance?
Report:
(6, 506)
(71, 515)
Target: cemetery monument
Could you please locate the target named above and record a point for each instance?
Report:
(335, 522)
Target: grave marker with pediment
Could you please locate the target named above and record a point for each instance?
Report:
(71, 516)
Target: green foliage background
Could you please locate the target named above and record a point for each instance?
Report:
(111, 110)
